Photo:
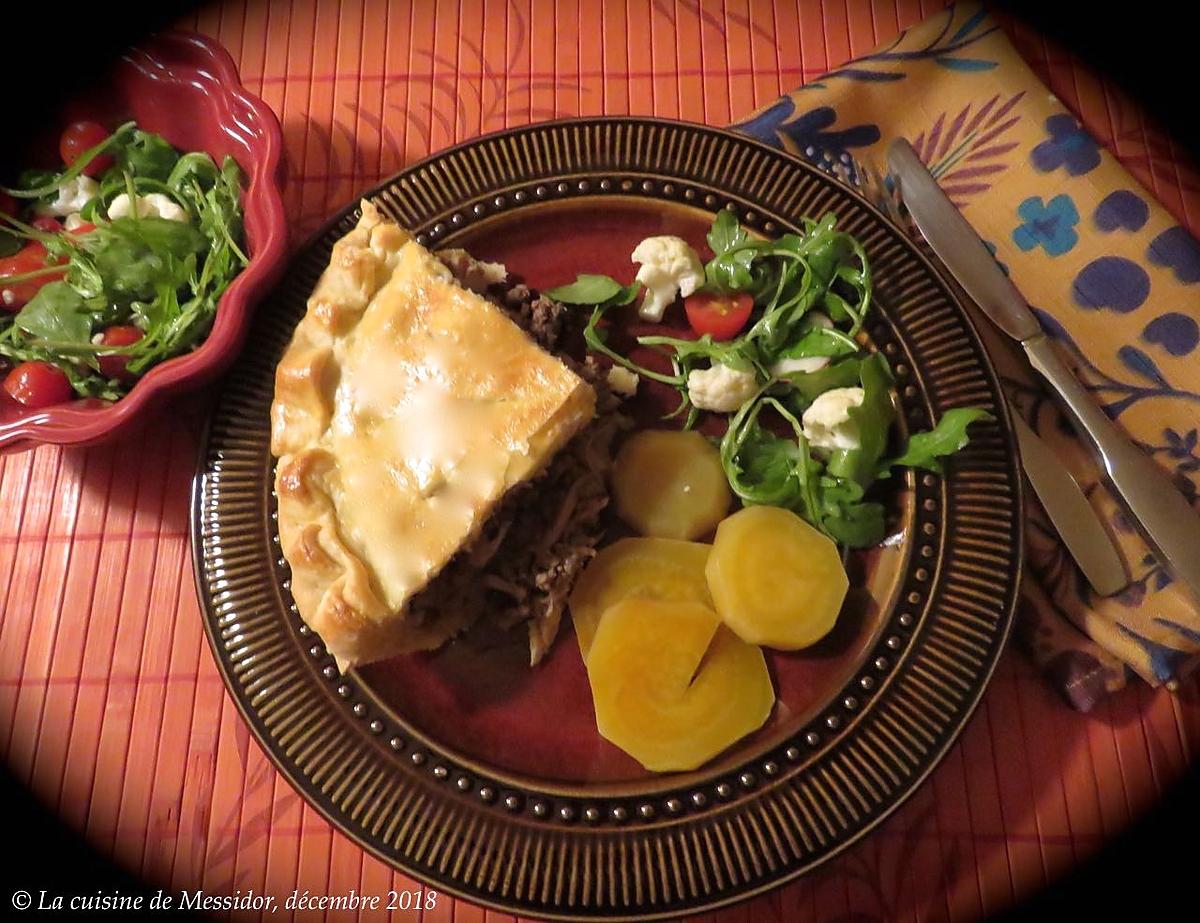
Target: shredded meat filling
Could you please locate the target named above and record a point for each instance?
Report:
(522, 565)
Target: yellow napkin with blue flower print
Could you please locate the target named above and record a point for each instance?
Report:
(1113, 278)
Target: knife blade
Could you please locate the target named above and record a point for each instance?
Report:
(1074, 518)
(1161, 513)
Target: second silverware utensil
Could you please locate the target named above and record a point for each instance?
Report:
(1077, 523)
(1162, 514)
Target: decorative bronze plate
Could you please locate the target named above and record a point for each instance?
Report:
(467, 769)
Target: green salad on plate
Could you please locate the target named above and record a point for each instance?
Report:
(779, 349)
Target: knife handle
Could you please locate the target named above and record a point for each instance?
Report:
(1163, 514)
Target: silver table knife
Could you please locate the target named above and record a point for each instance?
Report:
(1160, 511)
(1077, 523)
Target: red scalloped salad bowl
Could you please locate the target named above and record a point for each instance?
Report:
(186, 88)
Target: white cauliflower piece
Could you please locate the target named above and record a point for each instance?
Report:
(720, 388)
(154, 204)
(808, 363)
(827, 423)
(668, 267)
(74, 221)
(72, 196)
(622, 380)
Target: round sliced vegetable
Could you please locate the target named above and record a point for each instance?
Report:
(720, 316)
(645, 568)
(114, 365)
(670, 484)
(774, 579)
(671, 686)
(38, 384)
(80, 137)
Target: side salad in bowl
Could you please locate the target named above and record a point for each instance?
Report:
(112, 263)
(183, 94)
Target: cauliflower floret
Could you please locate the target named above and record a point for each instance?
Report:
(720, 388)
(827, 423)
(155, 204)
(669, 267)
(72, 196)
(74, 221)
(808, 363)
(622, 380)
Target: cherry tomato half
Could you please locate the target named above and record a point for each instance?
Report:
(84, 227)
(721, 316)
(80, 137)
(47, 224)
(113, 366)
(38, 384)
(32, 258)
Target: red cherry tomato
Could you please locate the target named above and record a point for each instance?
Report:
(113, 366)
(84, 227)
(47, 224)
(33, 257)
(80, 137)
(721, 316)
(38, 384)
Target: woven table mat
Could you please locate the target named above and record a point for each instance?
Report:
(111, 708)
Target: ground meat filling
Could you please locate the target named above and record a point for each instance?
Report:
(522, 565)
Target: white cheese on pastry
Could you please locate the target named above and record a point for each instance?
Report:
(405, 408)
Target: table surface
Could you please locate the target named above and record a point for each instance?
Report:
(111, 708)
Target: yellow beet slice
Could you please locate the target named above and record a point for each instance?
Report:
(670, 484)
(647, 568)
(673, 687)
(774, 579)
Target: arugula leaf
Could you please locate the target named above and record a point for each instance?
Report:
(596, 341)
(731, 272)
(731, 268)
(732, 353)
(133, 257)
(219, 207)
(924, 449)
(12, 234)
(605, 293)
(145, 154)
(726, 233)
(766, 469)
(872, 419)
(9, 243)
(56, 313)
(828, 250)
(845, 516)
(590, 289)
(819, 341)
(806, 387)
(196, 166)
(33, 178)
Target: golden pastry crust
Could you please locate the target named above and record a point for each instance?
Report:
(405, 408)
